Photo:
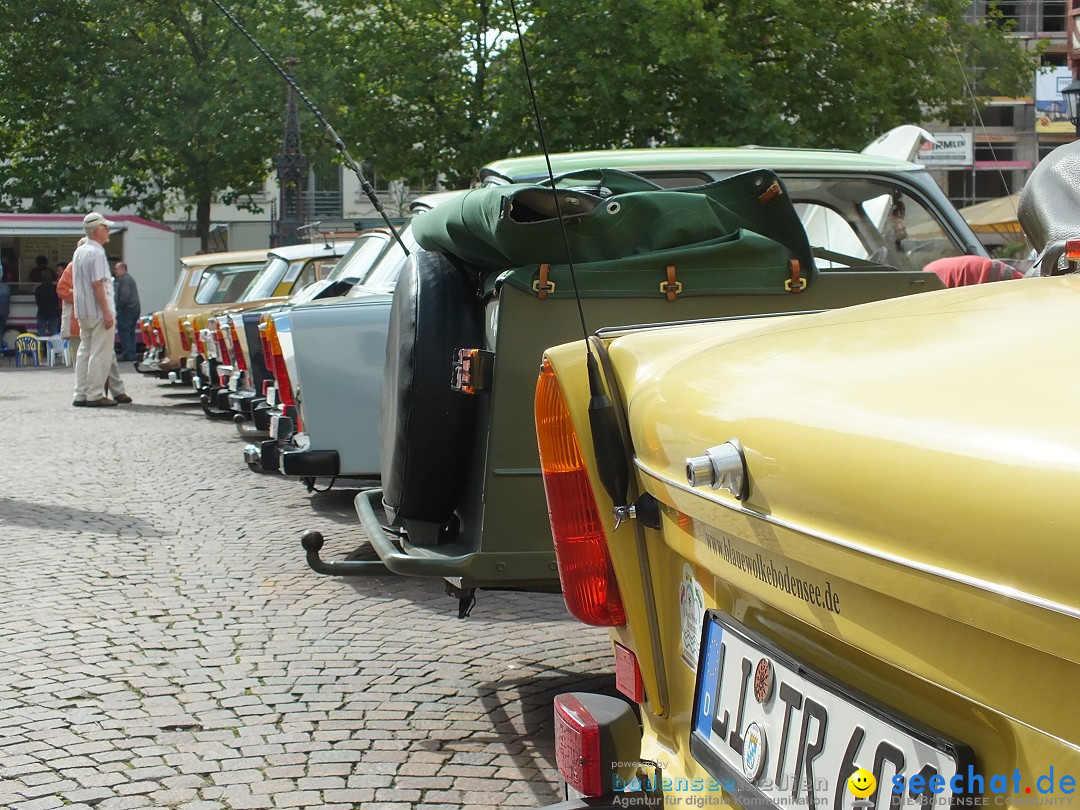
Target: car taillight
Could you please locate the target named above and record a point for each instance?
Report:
(223, 347)
(1072, 250)
(159, 329)
(185, 339)
(268, 356)
(577, 746)
(597, 743)
(281, 374)
(238, 349)
(589, 587)
(200, 344)
(144, 330)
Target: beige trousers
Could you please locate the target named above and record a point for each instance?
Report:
(96, 355)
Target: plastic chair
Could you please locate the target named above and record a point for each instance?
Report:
(26, 346)
(58, 348)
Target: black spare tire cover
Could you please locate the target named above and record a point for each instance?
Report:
(426, 428)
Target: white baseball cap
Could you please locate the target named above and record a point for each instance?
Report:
(95, 220)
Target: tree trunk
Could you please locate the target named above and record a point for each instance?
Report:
(202, 219)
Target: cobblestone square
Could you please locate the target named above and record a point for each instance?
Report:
(164, 645)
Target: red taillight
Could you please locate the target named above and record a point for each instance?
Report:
(577, 746)
(238, 349)
(144, 330)
(276, 364)
(158, 325)
(589, 587)
(185, 340)
(222, 346)
(200, 344)
(1072, 250)
(628, 674)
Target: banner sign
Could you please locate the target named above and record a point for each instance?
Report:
(952, 150)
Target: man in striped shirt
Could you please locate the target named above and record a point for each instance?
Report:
(93, 293)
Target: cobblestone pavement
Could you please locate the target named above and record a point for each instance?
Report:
(163, 644)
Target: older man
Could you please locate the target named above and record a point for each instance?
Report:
(93, 292)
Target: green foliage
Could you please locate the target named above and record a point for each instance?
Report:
(166, 102)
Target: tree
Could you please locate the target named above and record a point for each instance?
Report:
(164, 104)
(833, 73)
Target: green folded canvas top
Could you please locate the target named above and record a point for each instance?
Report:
(738, 235)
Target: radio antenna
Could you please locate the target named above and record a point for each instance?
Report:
(338, 143)
(611, 461)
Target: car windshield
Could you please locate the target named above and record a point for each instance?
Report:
(223, 283)
(385, 272)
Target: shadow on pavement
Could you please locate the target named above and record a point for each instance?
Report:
(15, 512)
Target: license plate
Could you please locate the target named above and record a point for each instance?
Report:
(271, 396)
(196, 382)
(234, 383)
(774, 731)
(275, 426)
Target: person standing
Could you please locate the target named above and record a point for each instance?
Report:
(127, 310)
(5, 301)
(69, 324)
(48, 305)
(93, 294)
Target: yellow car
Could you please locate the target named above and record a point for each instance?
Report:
(208, 278)
(837, 553)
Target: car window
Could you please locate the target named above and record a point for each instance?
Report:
(264, 285)
(868, 219)
(384, 273)
(365, 250)
(224, 283)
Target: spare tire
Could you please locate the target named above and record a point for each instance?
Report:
(426, 428)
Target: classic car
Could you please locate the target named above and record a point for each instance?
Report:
(328, 358)
(202, 279)
(824, 544)
(475, 514)
(287, 270)
(252, 369)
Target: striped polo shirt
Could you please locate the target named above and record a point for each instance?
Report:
(90, 264)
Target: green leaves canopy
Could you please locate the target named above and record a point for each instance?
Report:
(166, 102)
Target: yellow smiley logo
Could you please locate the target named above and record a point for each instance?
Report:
(862, 784)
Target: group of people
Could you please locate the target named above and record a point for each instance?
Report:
(95, 308)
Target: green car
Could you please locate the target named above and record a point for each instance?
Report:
(691, 234)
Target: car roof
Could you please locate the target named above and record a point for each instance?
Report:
(227, 257)
(317, 248)
(694, 159)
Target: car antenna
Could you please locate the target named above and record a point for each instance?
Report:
(612, 464)
(338, 143)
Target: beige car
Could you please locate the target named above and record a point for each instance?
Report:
(207, 279)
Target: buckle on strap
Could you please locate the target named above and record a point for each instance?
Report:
(542, 286)
(767, 195)
(795, 284)
(671, 288)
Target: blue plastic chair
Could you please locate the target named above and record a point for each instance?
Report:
(26, 345)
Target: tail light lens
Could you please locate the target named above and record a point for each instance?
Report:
(577, 746)
(185, 340)
(1072, 250)
(144, 330)
(276, 365)
(589, 587)
(159, 330)
(238, 349)
(268, 356)
(196, 335)
(222, 346)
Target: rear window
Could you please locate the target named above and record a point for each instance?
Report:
(224, 283)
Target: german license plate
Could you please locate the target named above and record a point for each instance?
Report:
(271, 396)
(775, 731)
(196, 382)
(275, 426)
(234, 382)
